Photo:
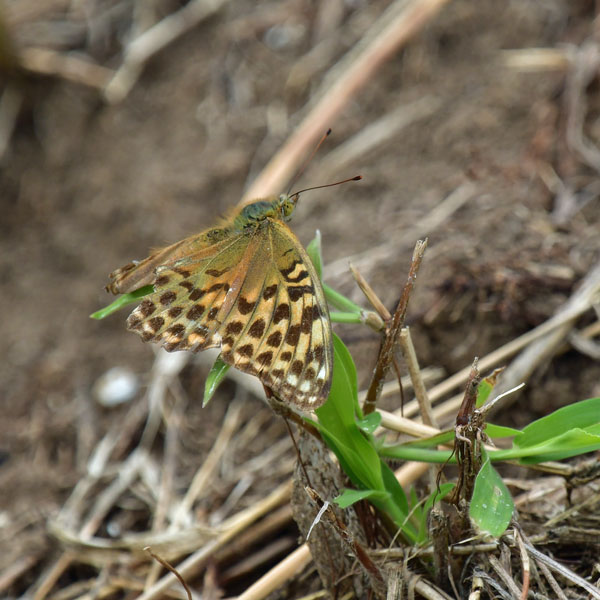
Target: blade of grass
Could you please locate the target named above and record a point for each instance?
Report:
(122, 301)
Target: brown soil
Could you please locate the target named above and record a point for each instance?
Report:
(85, 187)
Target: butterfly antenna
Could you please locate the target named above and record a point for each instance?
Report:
(307, 161)
(318, 187)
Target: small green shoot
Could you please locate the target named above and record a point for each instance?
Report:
(122, 301)
(214, 379)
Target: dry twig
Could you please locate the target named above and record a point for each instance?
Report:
(387, 348)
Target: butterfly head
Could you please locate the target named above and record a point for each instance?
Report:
(286, 205)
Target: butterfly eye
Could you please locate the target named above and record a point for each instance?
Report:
(288, 204)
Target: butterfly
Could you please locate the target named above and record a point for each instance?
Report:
(248, 287)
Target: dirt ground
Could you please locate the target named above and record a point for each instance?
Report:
(86, 186)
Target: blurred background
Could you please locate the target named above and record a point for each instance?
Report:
(479, 132)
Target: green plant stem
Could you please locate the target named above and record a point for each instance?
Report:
(345, 317)
(340, 301)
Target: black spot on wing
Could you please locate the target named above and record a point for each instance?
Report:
(293, 335)
(319, 353)
(156, 323)
(244, 306)
(175, 312)
(297, 367)
(247, 350)
(176, 330)
(234, 328)
(257, 328)
(147, 307)
(188, 285)
(295, 292)
(168, 297)
(185, 273)
(274, 340)
(195, 312)
(217, 272)
(307, 319)
(196, 294)
(270, 291)
(265, 358)
(281, 312)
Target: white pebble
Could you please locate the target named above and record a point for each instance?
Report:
(117, 386)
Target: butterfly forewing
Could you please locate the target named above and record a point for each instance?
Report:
(255, 294)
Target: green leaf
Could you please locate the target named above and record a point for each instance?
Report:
(395, 489)
(491, 506)
(216, 375)
(358, 457)
(122, 301)
(349, 497)
(408, 452)
(580, 415)
(314, 252)
(438, 494)
(571, 443)
(370, 423)
(355, 450)
(344, 387)
(500, 431)
(486, 386)
(444, 437)
(483, 392)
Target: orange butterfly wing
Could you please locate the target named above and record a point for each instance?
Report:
(254, 293)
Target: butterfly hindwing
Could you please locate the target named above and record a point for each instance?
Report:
(181, 313)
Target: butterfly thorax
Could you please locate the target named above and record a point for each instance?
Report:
(252, 215)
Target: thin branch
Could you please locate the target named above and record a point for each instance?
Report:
(43, 61)
(410, 356)
(387, 348)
